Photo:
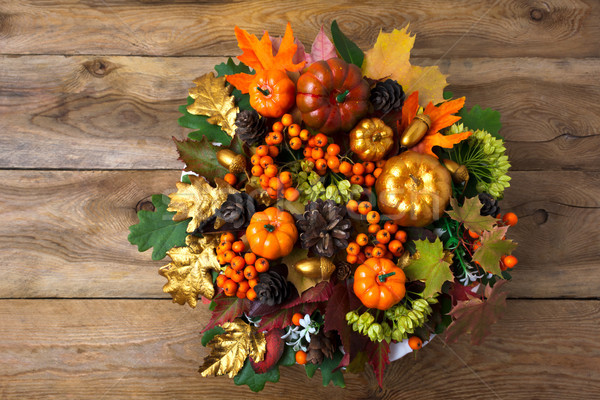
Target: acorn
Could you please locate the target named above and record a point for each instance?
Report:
(315, 268)
(415, 131)
(235, 163)
(459, 173)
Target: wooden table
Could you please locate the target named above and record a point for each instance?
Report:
(88, 105)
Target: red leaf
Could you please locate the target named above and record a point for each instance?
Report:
(226, 310)
(321, 292)
(275, 347)
(460, 292)
(380, 358)
(283, 317)
(335, 314)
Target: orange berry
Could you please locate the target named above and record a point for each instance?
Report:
(296, 318)
(377, 172)
(238, 246)
(286, 119)
(378, 252)
(264, 181)
(391, 227)
(362, 239)
(228, 272)
(369, 251)
(230, 288)
(271, 170)
(285, 177)
(230, 178)
(269, 139)
(333, 149)
(250, 272)
(255, 159)
(352, 259)
(221, 279)
(294, 130)
(380, 163)
(278, 126)
(243, 286)
(266, 161)
(374, 228)
(228, 255)
(261, 265)
(223, 247)
(352, 205)
(240, 294)
(472, 234)
(373, 217)
(357, 179)
(304, 135)
(415, 342)
(346, 168)
(476, 245)
(257, 170)
(321, 164)
(227, 237)
(273, 151)
(295, 143)
(369, 167)
(262, 150)
(252, 282)
(383, 236)
(311, 142)
(276, 137)
(320, 140)
(238, 263)
(401, 236)
(307, 152)
(317, 153)
(237, 276)
(510, 261)
(291, 194)
(394, 246)
(364, 207)
(275, 183)
(333, 162)
(510, 219)
(272, 193)
(221, 259)
(250, 258)
(251, 294)
(369, 180)
(358, 169)
(301, 357)
(353, 248)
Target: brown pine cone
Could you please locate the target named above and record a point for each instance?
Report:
(323, 344)
(343, 270)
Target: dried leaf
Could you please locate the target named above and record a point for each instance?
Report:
(321, 292)
(213, 98)
(429, 264)
(189, 273)
(493, 247)
(469, 215)
(475, 316)
(322, 48)
(283, 317)
(390, 58)
(198, 200)
(230, 349)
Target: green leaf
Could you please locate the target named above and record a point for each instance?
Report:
(157, 229)
(256, 382)
(448, 95)
(327, 367)
(429, 266)
(288, 358)
(186, 179)
(488, 120)
(346, 48)
(469, 215)
(492, 248)
(203, 128)
(200, 157)
(310, 369)
(210, 334)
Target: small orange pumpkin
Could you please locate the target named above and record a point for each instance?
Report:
(272, 233)
(379, 283)
(272, 93)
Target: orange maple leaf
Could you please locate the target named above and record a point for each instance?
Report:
(258, 54)
(441, 117)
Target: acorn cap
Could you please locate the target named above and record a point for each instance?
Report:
(235, 163)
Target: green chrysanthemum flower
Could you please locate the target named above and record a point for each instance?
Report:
(485, 158)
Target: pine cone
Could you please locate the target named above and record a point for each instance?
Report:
(387, 96)
(321, 345)
(237, 210)
(250, 126)
(489, 205)
(271, 288)
(343, 270)
(323, 227)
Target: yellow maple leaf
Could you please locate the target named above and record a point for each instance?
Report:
(390, 58)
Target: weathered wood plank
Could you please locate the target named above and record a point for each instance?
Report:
(143, 349)
(65, 233)
(121, 112)
(554, 28)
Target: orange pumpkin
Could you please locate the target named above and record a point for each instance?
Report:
(272, 93)
(379, 283)
(272, 233)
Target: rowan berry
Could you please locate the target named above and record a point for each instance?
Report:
(365, 207)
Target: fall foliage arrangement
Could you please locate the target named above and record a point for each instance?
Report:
(338, 203)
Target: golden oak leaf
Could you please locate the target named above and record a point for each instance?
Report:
(213, 98)
(188, 273)
(229, 350)
(198, 200)
(390, 58)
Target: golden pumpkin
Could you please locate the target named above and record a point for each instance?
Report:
(413, 189)
(371, 139)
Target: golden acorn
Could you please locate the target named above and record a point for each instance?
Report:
(235, 163)
(315, 268)
(415, 131)
(459, 173)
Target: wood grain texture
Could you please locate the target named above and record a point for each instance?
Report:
(552, 28)
(65, 233)
(121, 112)
(136, 349)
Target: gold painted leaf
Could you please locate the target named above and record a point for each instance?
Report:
(198, 200)
(229, 350)
(213, 99)
(188, 273)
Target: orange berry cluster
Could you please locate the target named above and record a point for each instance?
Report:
(300, 354)
(277, 184)
(389, 238)
(241, 268)
(506, 261)
(364, 174)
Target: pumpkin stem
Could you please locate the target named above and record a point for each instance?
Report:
(263, 91)
(382, 278)
(342, 96)
(270, 228)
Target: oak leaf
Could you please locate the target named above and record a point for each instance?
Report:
(198, 200)
(429, 264)
(469, 215)
(212, 97)
(230, 349)
(390, 59)
(475, 316)
(189, 272)
(493, 247)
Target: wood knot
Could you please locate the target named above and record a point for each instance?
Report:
(145, 204)
(540, 216)
(99, 67)
(536, 14)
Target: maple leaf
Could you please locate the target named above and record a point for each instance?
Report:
(322, 48)
(275, 347)
(342, 301)
(380, 358)
(300, 54)
(429, 264)
(390, 58)
(230, 349)
(283, 317)
(226, 309)
(493, 247)
(469, 215)
(475, 316)
(212, 97)
(189, 272)
(321, 292)
(198, 200)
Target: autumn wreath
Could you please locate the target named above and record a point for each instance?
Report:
(336, 204)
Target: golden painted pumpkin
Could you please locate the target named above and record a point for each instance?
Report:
(371, 139)
(413, 189)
